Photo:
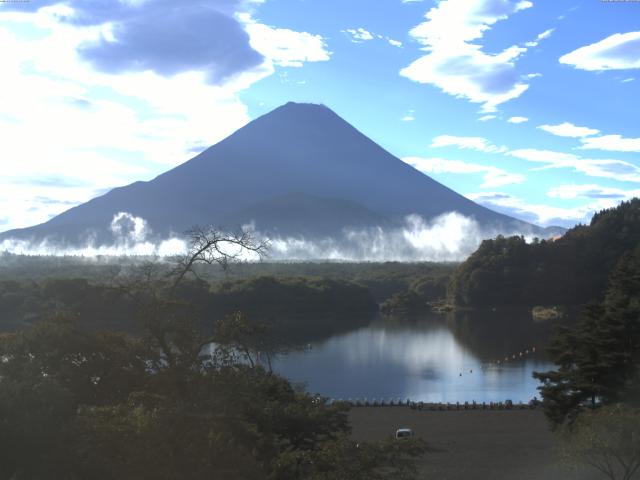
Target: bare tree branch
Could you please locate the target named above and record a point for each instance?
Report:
(212, 246)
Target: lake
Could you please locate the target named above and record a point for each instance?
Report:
(438, 358)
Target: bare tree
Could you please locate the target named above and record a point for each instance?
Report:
(608, 440)
(164, 315)
(212, 246)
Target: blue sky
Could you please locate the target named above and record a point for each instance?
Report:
(528, 107)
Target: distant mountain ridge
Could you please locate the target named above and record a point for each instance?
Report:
(285, 172)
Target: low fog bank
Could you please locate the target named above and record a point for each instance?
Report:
(450, 237)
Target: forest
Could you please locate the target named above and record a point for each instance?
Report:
(570, 270)
(100, 358)
(300, 299)
(80, 400)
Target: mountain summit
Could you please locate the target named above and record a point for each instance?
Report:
(298, 170)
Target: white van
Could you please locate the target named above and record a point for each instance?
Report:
(404, 433)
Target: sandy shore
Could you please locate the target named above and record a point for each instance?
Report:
(477, 444)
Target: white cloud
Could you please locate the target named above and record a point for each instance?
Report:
(486, 118)
(627, 80)
(567, 129)
(613, 169)
(545, 156)
(542, 36)
(518, 120)
(603, 168)
(613, 143)
(471, 143)
(284, 47)
(361, 35)
(84, 130)
(620, 51)
(457, 65)
(591, 140)
(493, 177)
(408, 118)
(539, 213)
(358, 35)
(570, 192)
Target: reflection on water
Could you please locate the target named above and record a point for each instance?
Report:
(437, 359)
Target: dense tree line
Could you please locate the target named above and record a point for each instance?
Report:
(422, 294)
(289, 303)
(598, 358)
(571, 270)
(382, 279)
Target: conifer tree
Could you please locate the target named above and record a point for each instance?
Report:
(598, 358)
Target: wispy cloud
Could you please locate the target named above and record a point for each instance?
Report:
(620, 51)
(612, 143)
(492, 176)
(567, 129)
(540, 213)
(358, 35)
(517, 119)
(604, 168)
(591, 191)
(591, 140)
(472, 143)
(542, 36)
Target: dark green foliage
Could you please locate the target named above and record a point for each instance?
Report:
(76, 404)
(405, 304)
(269, 297)
(598, 358)
(344, 459)
(572, 270)
(423, 292)
(293, 304)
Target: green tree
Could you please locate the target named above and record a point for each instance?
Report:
(598, 358)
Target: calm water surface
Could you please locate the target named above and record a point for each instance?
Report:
(435, 359)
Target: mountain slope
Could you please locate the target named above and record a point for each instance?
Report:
(289, 215)
(300, 148)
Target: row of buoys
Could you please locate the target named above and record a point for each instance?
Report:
(506, 359)
(514, 356)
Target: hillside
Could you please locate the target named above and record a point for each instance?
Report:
(569, 271)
